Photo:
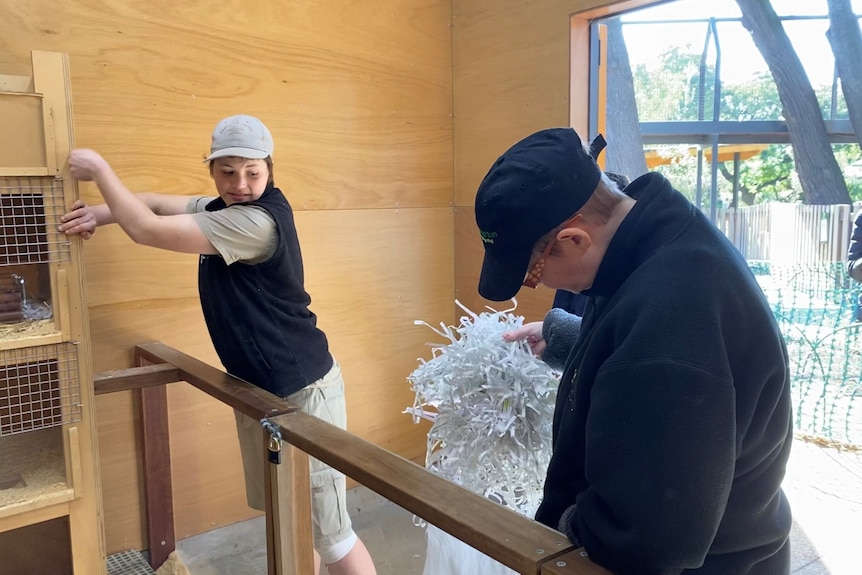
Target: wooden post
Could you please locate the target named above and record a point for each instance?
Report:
(289, 544)
(158, 489)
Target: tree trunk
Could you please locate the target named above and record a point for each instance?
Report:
(625, 151)
(819, 174)
(846, 41)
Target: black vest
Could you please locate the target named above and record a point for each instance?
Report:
(258, 315)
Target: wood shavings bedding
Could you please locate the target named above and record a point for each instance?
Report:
(36, 458)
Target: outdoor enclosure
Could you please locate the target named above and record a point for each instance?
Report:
(815, 305)
(798, 255)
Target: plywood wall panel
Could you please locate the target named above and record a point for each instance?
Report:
(357, 94)
(123, 272)
(117, 328)
(511, 78)
(368, 294)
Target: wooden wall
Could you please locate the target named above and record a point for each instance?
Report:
(518, 67)
(358, 95)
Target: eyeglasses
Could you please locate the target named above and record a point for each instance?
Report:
(534, 274)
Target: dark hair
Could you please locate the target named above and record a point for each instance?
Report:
(268, 160)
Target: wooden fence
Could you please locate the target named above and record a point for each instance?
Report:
(789, 233)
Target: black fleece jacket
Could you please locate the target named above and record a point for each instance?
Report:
(258, 315)
(673, 419)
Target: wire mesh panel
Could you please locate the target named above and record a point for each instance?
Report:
(829, 391)
(30, 209)
(39, 388)
(815, 305)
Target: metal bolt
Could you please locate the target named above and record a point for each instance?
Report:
(561, 563)
(163, 542)
(540, 551)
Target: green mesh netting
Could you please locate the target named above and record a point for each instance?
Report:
(815, 305)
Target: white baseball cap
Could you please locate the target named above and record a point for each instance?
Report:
(241, 136)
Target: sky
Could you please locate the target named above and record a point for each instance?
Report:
(739, 56)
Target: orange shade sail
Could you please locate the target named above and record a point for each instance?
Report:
(726, 153)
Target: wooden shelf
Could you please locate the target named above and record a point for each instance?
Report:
(24, 514)
(18, 519)
(29, 334)
(28, 171)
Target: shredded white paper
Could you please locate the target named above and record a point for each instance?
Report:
(492, 404)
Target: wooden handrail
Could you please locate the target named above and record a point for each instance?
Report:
(512, 539)
(135, 378)
(251, 400)
(574, 562)
(524, 545)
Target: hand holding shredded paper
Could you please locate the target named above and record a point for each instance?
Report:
(491, 403)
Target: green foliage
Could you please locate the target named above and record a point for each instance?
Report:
(671, 90)
(754, 100)
(768, 177)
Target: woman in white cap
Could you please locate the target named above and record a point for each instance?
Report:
(253, 299)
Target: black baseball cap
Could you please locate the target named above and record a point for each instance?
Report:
(535, 186)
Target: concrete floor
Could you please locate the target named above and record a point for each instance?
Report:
(824, 487)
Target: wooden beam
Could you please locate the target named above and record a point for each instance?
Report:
(135, 378)
(158, 489)
(249, 399)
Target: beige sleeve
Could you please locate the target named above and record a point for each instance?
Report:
(240, 233)
(198, 204)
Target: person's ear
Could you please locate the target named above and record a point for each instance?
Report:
(579, 237)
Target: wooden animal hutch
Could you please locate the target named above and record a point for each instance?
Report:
(50, 502)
